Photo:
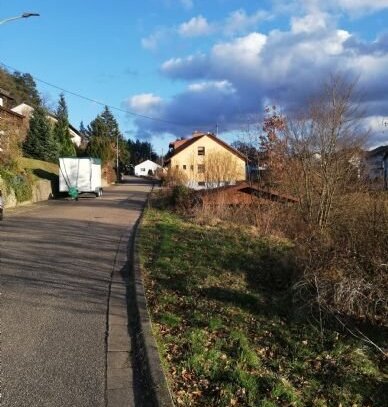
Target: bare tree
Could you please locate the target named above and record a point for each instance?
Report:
(324, 141)
(221, 168)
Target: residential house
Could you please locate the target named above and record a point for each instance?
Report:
(206, 161)
(146, 168)
(27, 110)
(376, 165)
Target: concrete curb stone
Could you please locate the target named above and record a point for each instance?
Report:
(150, 355)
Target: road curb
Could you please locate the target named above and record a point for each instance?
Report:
(147, 344)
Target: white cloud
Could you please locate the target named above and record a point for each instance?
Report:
(362, 5)
(152, 41)
(244, 49)
(195, 27)
(144, 103)
(236, 77)
(222, 86)
(309, 23)
(352, 7)
(239, 21)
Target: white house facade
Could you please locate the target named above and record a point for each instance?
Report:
(146, 168)
(27, 110)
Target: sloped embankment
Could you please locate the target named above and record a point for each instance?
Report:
(222, 315)
(34, 181)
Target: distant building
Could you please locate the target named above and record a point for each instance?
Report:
(27, 111)
(146, 168)
(376, 165)
(206, 161)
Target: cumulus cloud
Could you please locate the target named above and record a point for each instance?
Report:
(355, 8)
(144, 103)
(221, 86)
(195, 27)
(236, 77)
(153, 40)
(239, 21)
(362, 5)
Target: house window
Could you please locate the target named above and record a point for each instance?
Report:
(177, 167)
(201, 184)
(142, 169)
(201, 169)
(201, 150)
(184, 167)
(192, 167)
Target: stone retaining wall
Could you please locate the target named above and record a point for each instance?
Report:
(41, 191)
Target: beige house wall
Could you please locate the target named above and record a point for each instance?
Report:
(187, 160)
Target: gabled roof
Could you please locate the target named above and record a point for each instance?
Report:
(377, 151)
(26, 108)
(180, 145)
(148, 161)
(11, 112)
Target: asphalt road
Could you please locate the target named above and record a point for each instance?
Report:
(56, 261)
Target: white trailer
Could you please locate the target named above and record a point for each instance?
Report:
(80, 175)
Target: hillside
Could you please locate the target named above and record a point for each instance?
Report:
(22, 87)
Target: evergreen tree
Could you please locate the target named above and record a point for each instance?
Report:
(26, 90)
(103, 134)
(140, 151)
(98, 128)
(61, 130)
(40, 142)
(84, 132)
(111, 124)
(101, 147)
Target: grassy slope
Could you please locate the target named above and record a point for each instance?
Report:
(220, 309)
(40, 169)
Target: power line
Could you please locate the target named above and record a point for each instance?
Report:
(96, 101)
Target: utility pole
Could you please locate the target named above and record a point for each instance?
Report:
(117, 158)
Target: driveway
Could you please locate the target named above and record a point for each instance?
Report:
(56, 263)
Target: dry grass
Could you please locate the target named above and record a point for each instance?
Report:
(222, 310)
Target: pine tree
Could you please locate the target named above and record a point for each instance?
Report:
(40, 142)
(61, 130)
(103, 134)
(111, 124)
(84, 133)
(26, 89)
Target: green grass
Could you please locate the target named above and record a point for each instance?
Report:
(223, 318)
(39, 169)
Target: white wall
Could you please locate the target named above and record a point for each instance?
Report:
(143, 168)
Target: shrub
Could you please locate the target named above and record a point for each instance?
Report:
(181, 197)
(345, 267)
(19, 183)
(174, 177)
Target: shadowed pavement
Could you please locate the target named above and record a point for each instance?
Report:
(56, 262)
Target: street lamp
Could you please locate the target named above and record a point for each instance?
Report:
(24, 15)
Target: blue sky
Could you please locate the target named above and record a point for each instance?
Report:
(197, 63)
